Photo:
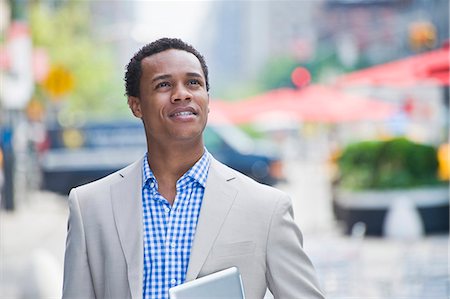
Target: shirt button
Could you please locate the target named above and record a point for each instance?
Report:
(173, 245)
(167, 209)
(173, 282)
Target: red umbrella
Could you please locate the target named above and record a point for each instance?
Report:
(427, 68)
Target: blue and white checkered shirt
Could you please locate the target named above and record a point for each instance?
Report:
(169, 230)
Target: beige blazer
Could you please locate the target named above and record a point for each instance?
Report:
(242, 223)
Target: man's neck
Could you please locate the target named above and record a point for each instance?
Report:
(168, 164)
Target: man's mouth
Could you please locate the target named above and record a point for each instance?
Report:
(183, 113)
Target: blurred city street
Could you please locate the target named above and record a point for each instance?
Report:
(342, 104)
(32, 244)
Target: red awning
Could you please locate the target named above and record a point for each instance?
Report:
(315, 103)
(426, 68)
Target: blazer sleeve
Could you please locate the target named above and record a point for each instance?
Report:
(290, 273)
(77, 276)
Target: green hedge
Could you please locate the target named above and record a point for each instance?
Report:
(395, 163)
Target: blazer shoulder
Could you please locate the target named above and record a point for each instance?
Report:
(102, 185)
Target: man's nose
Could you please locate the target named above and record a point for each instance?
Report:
(180, 93)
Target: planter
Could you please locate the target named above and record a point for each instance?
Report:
(371, 207)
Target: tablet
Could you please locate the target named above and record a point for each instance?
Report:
(223, 284)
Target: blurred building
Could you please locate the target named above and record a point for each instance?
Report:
(383, 30)
(240, 36)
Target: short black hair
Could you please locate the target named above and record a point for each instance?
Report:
(134, 68)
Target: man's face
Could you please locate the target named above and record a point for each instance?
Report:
(173, 102)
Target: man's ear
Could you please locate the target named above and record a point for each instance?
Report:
(135, 105)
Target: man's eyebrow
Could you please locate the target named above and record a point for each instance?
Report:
(194, 75)
(161, 77)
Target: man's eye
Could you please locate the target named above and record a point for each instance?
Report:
(163, 84)
(194, 82)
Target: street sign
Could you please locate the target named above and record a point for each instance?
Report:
(59, 82)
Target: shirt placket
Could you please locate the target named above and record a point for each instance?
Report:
(170, 246)
(173, 235)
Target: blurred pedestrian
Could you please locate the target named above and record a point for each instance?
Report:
(177, 213)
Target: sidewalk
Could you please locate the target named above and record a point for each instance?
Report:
(32, 242)
(380, 268)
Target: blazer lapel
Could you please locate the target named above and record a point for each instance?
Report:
(127, 209)
(217, 201)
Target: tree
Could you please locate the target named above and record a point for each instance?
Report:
(64, 31)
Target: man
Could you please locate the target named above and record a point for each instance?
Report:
(179, 214)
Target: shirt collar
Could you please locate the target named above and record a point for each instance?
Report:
(198, 172)
(147, 173)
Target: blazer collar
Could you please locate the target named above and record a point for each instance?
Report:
(127, 209)
(217, 201)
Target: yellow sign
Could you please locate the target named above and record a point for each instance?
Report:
(59, 82)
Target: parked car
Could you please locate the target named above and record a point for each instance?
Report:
(73, 156)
